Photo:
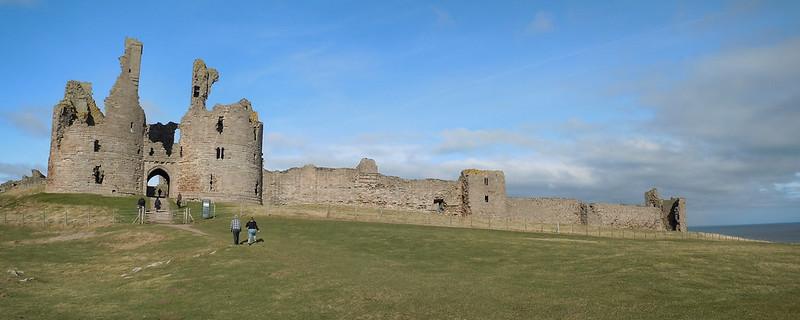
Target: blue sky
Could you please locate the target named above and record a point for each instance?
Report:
(597, 100)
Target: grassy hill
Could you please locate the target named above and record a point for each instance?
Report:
(316, 269)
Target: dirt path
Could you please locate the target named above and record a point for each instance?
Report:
(186, 228)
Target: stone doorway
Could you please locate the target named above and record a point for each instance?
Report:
(158, 183)
(438, 205)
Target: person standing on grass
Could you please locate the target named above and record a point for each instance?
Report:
(252, 228)
(158, 204)
(141, 203)
(236, 227)
(178, 202)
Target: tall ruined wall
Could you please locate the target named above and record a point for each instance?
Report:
(35, 180)
(219, 156)
(97, 153)
(625, 216)
(673, 213)
(571, 211)
(362, 186)
(548, 210)
(483, 192)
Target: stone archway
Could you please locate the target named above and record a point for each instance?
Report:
(157, 187)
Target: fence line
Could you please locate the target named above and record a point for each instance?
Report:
(507, 223)
(64, 217)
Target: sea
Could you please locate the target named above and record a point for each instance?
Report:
(774, 232)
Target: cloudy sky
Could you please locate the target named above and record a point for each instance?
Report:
(596, 100)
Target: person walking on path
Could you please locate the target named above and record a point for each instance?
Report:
(236, 227)
(157, 204)
(252, 228)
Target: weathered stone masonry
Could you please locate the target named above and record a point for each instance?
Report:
(218, 155)
(476, 192)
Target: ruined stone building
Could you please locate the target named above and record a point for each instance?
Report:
(35, 180)
(476, 192)
(218, 155)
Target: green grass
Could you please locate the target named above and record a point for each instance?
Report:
(313, 269)
(119, 203)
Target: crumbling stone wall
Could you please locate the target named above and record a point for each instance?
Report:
(479, 192)
(219, 155)
(95, 152)
(548, 210)
(35, 180)
(673, 213)
(625, 216)
(483, 192)
(360, 186)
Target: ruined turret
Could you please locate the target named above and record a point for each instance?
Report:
(220, 149)
(95, 152)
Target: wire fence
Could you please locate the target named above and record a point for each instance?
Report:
(91, 217)
(72, 217)
(488, 222)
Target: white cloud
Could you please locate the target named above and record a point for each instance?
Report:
(790, 189)
(33, 121)
(15, 171)
(443, 18)
(542, 23)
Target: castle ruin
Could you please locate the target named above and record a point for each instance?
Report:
(219, 157)
(476, 192)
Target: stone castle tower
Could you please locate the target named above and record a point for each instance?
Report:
(218, 155)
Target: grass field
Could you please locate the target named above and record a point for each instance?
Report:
(315, 269)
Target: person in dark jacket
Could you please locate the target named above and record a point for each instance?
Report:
(157, 204)
(252, 228)
(141, 203)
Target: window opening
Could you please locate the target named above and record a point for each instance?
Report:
(486, 181)
(152, 151)
(96, 145)
(196, 91)
(222, 153)
(217, 152)
(98, 175)
(220, 126)
(486, 198)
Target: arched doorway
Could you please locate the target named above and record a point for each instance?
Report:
(158, 183)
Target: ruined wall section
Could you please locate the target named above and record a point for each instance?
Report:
(35, 180)
(625, 216)
(221, 149)
(483, 192)
(96, 153)
(673, 212)
(548, 210)
(362, 186)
